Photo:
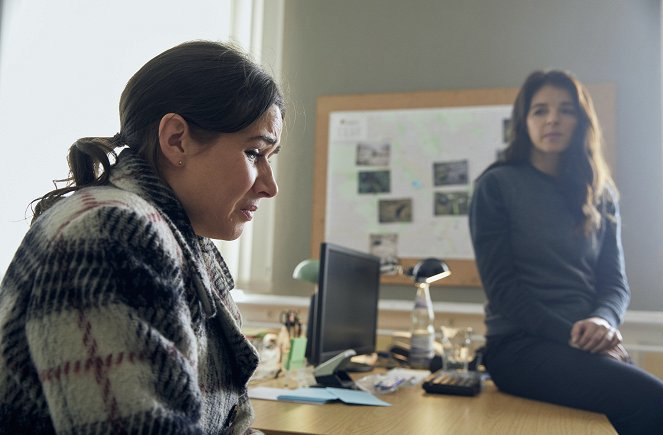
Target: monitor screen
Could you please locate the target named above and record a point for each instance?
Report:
(345, 309)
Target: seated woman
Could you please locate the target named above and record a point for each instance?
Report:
(115, 313)
(545, 226)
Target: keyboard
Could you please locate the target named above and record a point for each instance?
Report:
(452, 382)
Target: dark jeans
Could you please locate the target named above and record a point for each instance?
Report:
(544, 370)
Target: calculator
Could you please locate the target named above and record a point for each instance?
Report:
(453, 382)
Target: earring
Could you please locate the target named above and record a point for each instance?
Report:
(180, 163)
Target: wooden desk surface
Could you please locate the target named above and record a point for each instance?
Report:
(415, 412)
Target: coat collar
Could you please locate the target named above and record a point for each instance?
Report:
(133, 174)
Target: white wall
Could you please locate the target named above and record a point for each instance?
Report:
(63, 65)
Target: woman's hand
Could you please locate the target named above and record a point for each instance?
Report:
(594, 335)
(619, 353)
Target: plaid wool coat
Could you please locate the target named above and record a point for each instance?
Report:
(116, 318)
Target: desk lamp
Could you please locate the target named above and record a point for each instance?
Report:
(430, 270)
(424, 273)
(307, 271)
(422, 336)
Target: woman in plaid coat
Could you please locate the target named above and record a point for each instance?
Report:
(115, 313)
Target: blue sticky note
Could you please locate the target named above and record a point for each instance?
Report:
(356, 397)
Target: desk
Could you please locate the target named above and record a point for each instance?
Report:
(415, 412)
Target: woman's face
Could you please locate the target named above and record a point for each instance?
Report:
(551, 122)
(222, 182)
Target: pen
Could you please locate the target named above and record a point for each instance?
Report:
(389, 384)
(297, 327)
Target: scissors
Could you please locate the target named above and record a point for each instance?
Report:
(290, 319)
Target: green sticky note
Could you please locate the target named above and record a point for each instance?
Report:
(296, 356)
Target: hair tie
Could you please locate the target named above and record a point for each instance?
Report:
(117, 139)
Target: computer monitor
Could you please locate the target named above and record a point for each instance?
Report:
(344, 311)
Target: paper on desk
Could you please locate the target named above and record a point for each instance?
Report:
(356, 397)
(414, 376)
(316, 395)
(308, 395)
(267, 393)
(304, 395)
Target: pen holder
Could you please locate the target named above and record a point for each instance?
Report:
(297, 374)
(295, 358)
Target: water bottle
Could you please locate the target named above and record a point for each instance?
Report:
(423, 331)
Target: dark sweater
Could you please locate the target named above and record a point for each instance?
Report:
(540, 272)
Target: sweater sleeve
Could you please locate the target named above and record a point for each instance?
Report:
(613, 293)
(490, 231)
(109, 331)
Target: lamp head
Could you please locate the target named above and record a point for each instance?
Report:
(430, 270)
(307, 270)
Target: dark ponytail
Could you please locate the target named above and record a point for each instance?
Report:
(85, 158)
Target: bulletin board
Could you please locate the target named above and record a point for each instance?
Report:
(394, 172)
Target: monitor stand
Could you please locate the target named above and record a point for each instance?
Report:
(332, 373)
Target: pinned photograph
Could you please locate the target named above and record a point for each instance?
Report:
(374, 182)
(395, 210)
(451, 203)
(449, 173)
(385, 246)
(373, 154)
